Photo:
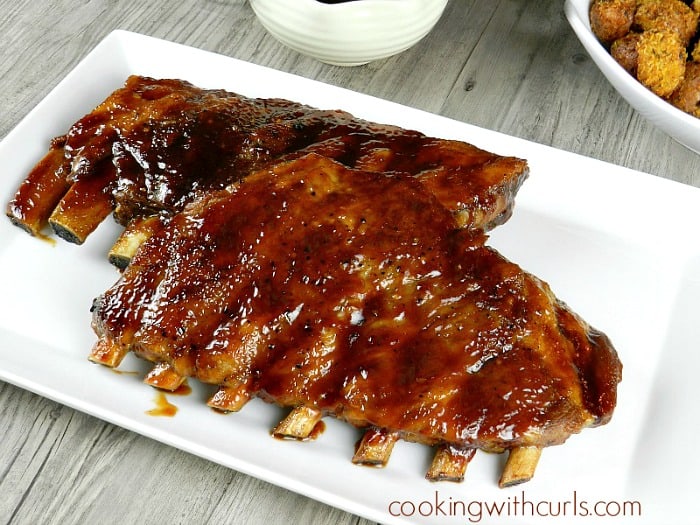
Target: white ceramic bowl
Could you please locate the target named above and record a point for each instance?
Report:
(681, 126)
(349, 33)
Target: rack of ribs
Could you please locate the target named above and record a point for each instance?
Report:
(328, 264)
(341, 292)
(153, 146)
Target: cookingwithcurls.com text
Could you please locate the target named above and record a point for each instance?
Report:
(516, 505)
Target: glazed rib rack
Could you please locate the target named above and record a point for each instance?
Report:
(326, 264)
(155, 145)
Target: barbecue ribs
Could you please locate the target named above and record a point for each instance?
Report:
(155, 145)
(343, 292)
(324, 263)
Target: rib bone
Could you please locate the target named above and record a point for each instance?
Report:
(298, 424)
(86, 204)
(107, 352)
(450, 463)
(520, 466)
(375, 447)
(135, 233)
(41, 191)
(229, 399)
(164, 377)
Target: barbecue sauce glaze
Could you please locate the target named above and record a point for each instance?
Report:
(356, 293)
(172, 142)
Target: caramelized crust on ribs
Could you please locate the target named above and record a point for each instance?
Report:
(155, 145)
(326, 264)
(355, 294)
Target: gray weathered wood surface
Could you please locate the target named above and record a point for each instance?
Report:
(510, 65)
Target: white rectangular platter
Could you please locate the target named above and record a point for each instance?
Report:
(620, 247)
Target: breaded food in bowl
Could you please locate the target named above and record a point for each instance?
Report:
(623, 69)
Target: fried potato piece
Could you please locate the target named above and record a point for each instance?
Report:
(661, 61)
(624, 51)
(612, 19)
(667, 15)
(660, 47)
(687, 96)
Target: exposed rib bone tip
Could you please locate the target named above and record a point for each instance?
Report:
(298, 424)
(40, 192)
(84, 206)
(164, 377)
(107, 353)
(520, 466)
(375, 447)
(135, 234)
(228, 399)
(450, 464)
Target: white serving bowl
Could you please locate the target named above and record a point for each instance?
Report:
(681, 126)
(350, 33)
